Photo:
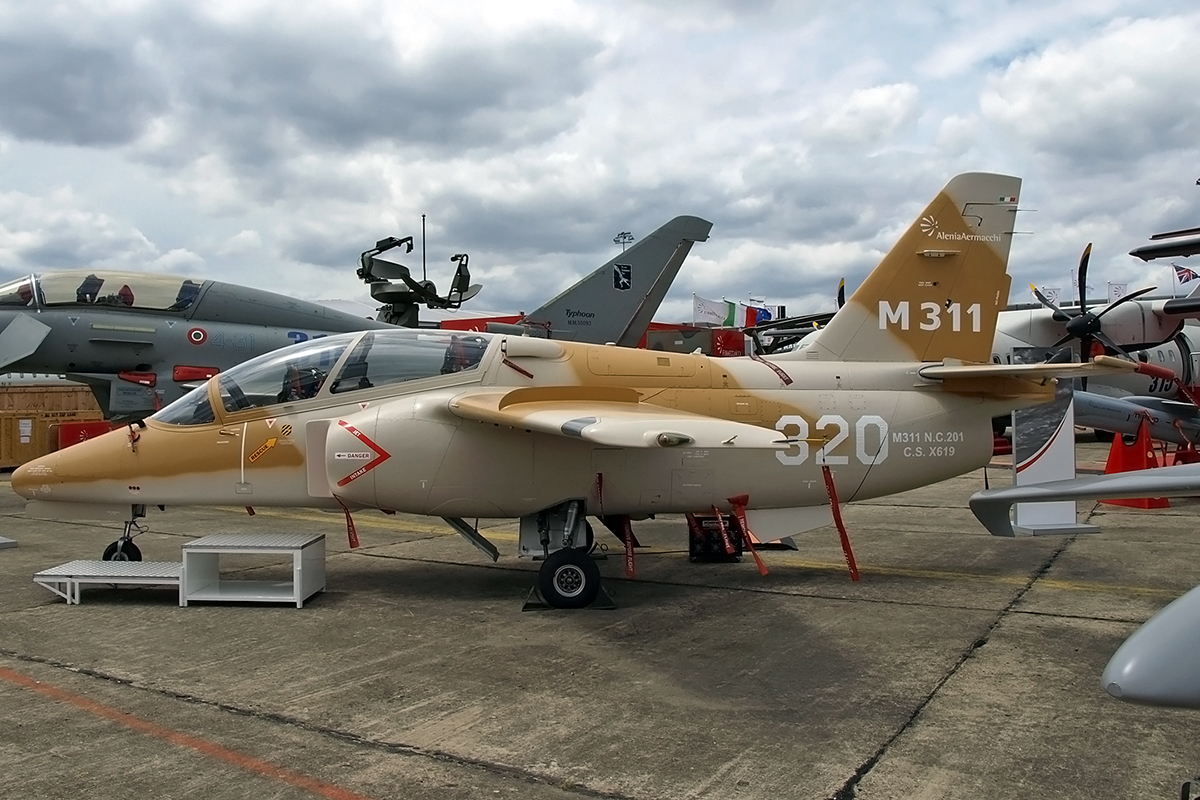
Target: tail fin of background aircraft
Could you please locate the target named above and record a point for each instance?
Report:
(937, 293)
(617, 301)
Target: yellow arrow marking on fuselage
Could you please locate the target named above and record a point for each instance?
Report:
(262, 450)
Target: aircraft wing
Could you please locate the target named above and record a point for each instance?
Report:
(610, 417)
(991, 506)
(1101, 365)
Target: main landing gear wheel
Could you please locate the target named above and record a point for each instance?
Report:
(569, 579)
(122, 550)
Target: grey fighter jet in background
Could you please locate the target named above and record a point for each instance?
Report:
(141, 340)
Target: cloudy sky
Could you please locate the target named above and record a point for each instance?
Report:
(268, 143)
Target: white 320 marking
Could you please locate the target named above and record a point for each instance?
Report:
(931, 316)
(834, 430)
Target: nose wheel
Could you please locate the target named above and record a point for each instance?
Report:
(122, 550)
(569, 579)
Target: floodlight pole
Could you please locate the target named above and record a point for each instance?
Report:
(424, 276)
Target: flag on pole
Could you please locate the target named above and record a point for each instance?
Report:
(708, 312)
(1116, 291)
(757, 315)
(1051, 293)
(1184, 274)
(729, 314)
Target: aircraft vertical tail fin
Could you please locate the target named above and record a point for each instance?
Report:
(617, 301)
(937, 293)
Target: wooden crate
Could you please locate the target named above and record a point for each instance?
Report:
(28, 412)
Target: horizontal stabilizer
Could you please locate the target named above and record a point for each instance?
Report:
(1101, 365)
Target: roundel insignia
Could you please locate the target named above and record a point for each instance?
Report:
(197, 336)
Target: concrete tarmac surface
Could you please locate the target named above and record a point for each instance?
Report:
(961, 666)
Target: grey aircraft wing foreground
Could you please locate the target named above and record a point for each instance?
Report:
(894, 393)
(141, 340)
(992, 506)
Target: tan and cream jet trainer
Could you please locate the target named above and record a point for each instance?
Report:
(891, 396)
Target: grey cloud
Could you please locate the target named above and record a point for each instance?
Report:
(69, 249)
(247, 92)
(1104, 103)
(69, 93)
(256, 94)
(336, 249)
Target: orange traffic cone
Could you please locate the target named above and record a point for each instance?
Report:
(1128, 457)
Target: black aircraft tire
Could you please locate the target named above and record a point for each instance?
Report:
(129, 552)
(569, 579)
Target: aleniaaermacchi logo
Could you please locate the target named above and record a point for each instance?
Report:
(929, 227)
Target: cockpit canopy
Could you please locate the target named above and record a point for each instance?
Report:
(103, 288)
(331, 366)
(17, 293)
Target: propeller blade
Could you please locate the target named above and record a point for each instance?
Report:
(841, 295)
(1046, 301)
(1063, 340)
(1125, 299)
(1102, 337)
(1083, 265)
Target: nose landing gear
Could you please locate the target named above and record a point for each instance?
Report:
(124, 549)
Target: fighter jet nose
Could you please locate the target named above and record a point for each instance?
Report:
(30, 476)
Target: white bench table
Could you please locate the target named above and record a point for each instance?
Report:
(200, 578)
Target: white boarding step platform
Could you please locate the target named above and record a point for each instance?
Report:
(66, 579)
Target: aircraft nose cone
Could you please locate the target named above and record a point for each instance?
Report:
(1160, 663)
(28, 478)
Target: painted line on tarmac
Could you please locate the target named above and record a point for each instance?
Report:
(202, 746)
